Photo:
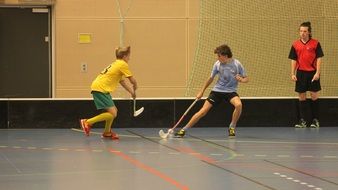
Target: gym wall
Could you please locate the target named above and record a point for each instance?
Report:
(162, 34)
(173, 41)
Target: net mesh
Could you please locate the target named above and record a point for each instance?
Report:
(260, 34)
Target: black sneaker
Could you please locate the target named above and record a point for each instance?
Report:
(180, 133)
(301, 124)
(315, 123)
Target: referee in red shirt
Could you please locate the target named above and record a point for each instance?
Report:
(306, 58)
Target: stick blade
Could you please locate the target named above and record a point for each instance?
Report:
(162, 134)
(138, 112)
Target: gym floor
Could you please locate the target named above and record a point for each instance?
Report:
(282, 158)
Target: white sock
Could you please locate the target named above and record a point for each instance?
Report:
(232, 125)
(185, 128)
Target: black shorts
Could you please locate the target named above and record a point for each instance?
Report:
(304, 82)
(217, 97)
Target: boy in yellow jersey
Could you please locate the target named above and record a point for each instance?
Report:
(105, 83)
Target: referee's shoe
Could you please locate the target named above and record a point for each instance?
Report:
(301, 124)
(315, 123)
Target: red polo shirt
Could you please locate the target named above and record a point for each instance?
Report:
(306, 54)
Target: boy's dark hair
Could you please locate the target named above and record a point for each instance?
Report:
(223, 50)
(308, 25)
(120, 52)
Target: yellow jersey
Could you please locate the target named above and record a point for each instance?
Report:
(110, 77)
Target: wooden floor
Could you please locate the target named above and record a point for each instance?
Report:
(256, 159)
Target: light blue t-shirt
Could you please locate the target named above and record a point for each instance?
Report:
(226, 75)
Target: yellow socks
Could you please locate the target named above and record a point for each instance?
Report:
(102, 117)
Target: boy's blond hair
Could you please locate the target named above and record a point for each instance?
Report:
(120, 52)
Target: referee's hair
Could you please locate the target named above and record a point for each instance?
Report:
(308, 25)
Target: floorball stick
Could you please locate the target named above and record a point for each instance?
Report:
(164, 135)
(139, 111)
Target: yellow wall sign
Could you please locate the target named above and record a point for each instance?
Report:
(84, 38)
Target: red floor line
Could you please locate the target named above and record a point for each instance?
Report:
(149, 169)
(198, 155)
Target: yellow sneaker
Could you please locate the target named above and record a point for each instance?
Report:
(232, 132)
(180, 133)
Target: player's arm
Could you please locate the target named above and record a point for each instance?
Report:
(239, 78)
(132, 80)
(125, 70)
(205, 86)
(128, 88)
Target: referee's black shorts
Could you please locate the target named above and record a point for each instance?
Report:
(304, 82)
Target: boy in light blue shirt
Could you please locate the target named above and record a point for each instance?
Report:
(230, 72)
